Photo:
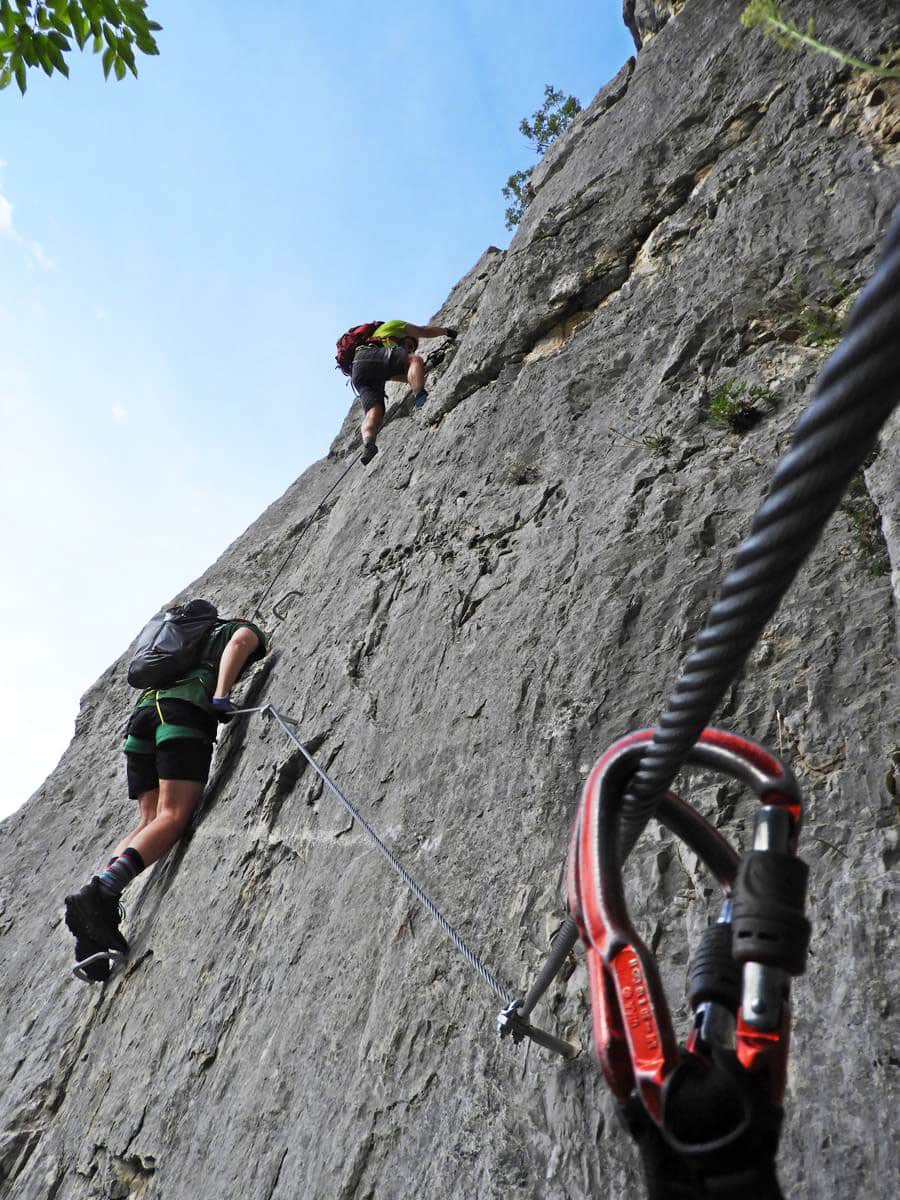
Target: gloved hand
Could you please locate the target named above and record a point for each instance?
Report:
(451, 334)
(223, 708)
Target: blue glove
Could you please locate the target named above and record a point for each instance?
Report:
(223, 708)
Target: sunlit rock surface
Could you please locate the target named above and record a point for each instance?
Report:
(512, 584)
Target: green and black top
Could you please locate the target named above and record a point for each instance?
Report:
(197, 687)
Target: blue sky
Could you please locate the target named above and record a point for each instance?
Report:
(178, 254)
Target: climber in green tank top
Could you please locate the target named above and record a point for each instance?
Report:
(168, 750)
(389, 357)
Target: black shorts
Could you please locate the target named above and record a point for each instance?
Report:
(373, 366)
(176, 757)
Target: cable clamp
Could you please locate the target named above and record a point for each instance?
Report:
(511, 1024)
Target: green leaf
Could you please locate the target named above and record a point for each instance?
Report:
(98, 44)
(146, 44)
(29, 50)
(111, 11)
(58, 40)
(120, 69)
(110, 34)
(134, 15)
(57, 59)
(127, 55)
(108, 55)
(5, 78)
(43, 18)
(20, 76)
(40, 48)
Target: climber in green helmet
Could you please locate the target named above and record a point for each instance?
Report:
(168, 749)
(389, 356)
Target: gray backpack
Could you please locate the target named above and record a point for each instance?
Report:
(171, 644)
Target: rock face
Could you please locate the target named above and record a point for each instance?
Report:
(512, 584)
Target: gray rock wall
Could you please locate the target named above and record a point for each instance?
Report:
(511, 585)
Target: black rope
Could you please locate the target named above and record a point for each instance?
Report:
(257, 611)
(561, 947)
(855, 394)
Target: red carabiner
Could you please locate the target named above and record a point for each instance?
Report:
(633, 1030)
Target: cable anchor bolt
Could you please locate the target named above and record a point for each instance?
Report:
(511, 1024)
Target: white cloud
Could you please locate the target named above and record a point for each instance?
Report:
(119, 414)
(43, 260)
(6, 221)
(34, 249)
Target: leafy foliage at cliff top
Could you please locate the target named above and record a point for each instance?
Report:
(769, 16)
(553, 118)
(35, 33)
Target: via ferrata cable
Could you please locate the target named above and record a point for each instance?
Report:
(511, 1021)
(306, 524)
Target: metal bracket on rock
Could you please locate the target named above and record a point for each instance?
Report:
(115, 959)
(276, 607)
(511, 1024)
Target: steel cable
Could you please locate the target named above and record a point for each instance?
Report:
(500, 990)
(856, 392)
(257, 612)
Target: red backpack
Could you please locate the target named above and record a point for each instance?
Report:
(348, 342)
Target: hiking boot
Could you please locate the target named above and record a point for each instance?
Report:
(369, 452)
(93, 915)
(98, 971)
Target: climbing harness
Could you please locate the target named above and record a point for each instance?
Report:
(509, 1021)
(115, 959)
(707, 1115)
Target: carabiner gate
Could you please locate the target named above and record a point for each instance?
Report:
(761, 936)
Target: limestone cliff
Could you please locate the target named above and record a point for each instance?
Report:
(512, 584)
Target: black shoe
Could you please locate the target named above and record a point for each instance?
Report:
(369, 452)
(100, 969)
(93, 915)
